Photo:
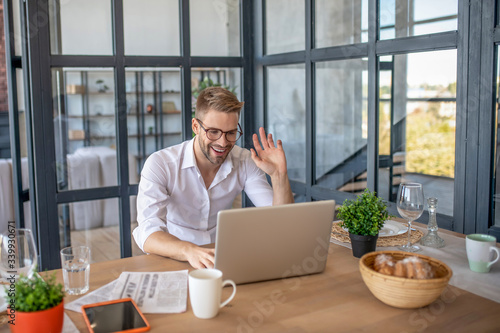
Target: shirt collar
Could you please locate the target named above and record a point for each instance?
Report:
(189, 160)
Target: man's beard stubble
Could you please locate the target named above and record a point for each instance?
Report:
(216, 160)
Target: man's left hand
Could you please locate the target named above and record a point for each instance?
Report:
(268, 157)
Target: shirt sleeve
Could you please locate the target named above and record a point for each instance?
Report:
(152, 199)
(256, 186)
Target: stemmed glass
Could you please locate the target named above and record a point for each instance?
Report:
(410, 204)
(17, 253)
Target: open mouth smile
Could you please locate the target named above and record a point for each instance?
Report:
(218, 151)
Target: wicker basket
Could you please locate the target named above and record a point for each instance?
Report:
(402, 292)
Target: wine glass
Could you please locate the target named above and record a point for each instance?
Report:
(17, 253)
(410, 205)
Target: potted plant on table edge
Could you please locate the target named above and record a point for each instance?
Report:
(363, 218)
(38, 304)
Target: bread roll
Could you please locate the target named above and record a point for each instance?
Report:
(384, 264)
(413, 268)
(410, 267)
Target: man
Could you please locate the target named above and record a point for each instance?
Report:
(183, 187)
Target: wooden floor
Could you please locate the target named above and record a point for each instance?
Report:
(105, 242)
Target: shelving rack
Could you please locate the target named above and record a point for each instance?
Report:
(148, 131)
(154, 118)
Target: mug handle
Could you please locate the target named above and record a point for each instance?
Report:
(493, 248)
(225, 283)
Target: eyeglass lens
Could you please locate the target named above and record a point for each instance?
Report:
(215, 134)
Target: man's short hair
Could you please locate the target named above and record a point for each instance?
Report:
(218, 99)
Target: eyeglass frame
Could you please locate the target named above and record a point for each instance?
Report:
(240, 130)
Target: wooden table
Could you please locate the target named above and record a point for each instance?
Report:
(335, 300)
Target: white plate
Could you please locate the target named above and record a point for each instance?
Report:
(390, 228)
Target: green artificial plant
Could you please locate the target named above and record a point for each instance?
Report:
(364, 216)
(205, 83)
(35, 294)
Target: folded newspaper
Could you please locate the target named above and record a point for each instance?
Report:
(154, 292)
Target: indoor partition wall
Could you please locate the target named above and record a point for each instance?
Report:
(110, 83)
(363, 94)
(388, 91)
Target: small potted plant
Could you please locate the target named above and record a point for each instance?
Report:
(38, 303)
(102, 87)
(363, 218)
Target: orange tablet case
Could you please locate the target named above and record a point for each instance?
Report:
(121, 300)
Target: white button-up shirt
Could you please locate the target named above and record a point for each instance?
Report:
(173, 197)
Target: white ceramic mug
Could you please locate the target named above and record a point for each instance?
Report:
(479, 252)
(205, 288)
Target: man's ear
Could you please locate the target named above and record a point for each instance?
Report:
(195, 126)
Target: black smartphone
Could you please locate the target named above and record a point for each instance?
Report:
(120, 315)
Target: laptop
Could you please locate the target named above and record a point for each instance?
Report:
(266, 243)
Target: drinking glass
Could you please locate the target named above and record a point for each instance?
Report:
(410, 204)
(75, 263)
(17, 253)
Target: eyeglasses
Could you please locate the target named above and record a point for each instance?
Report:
(215, 133)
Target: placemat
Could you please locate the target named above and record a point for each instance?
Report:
(343, 236)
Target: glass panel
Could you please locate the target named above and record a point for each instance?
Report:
(384, 143)
(403, 18)
(386, 15)
(20, 89)
(498, 15)
(417, 124)
(91, 223)
(7, 183)
(341, 124)
(299, 198)
(27, 215)
(387, 33)
(18, 48)
(286, 114)
(237, 201)
(151, 27)
(84, 128)
(285, 26)
(496, 145)
(154, 117)
(340, 22)
(429, 28)
(215, 27)
(136, 251)
(6, 194)
(81, 27)
(23, 141)
(440, 9)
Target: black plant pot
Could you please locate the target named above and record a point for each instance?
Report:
(362, 244)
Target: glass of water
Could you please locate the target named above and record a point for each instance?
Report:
(76, 269)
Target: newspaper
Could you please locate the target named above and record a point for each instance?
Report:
(99, 295)
(154, 292)
(68, 325)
